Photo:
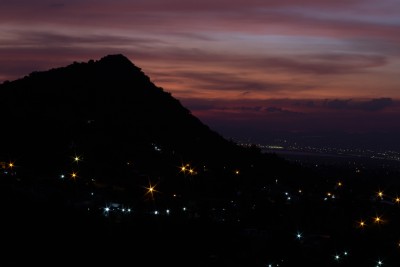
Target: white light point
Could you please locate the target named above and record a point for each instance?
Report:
(299, 236)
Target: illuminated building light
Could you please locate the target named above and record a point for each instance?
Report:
(184, 168)
(299, 235)
(361, 224)
(77, 158)
(74, 175)
(150, 190)
(378, 219)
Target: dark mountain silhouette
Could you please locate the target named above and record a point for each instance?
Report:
(236, 207)
(111, 114)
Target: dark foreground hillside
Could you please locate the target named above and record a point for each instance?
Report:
(98, 166)
(278, 224)
(109, 113)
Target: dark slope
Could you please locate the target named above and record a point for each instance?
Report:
(109, 112)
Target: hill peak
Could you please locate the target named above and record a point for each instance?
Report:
(115, 59)
(107, 109)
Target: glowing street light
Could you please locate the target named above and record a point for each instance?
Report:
(378, 219)
(192, 171)
(299, 235)
(74, 175)
(184, 168)
(77, 158)
(151, 190)
(361, 224)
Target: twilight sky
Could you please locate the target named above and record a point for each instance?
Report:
(244, 67)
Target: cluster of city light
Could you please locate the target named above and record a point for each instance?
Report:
(288, 197)
(167, 212)
(377, 220)
(74, 174)
(329, 195)
(380, 195)
(8, 167)
(374, 220)
(274, 264)
(340, 256)
(116, 208)
(187, 169)
(5, 165)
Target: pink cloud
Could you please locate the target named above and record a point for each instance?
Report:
(237, 50)
(279, 17)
